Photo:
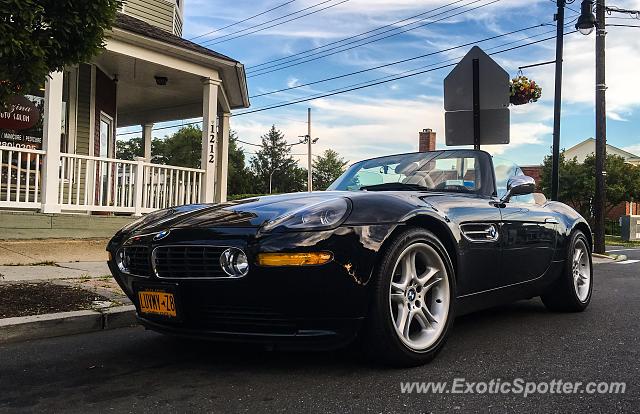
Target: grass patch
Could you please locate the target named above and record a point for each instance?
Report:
(617, 241)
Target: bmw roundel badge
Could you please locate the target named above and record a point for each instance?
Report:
(161, 235)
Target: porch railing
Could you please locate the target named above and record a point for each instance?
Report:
(20, 177)
(108, 184)
(167, 186)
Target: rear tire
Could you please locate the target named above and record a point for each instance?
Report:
(572, 291)
(413, 300)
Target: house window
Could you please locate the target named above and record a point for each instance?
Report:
(106, 132)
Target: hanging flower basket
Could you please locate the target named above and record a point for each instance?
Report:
(524, 90)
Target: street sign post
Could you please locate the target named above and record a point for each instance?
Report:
(476, 101)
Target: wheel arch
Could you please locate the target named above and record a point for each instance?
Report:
(434, 225)
(584, 227)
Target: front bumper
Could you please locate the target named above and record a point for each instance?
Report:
(311, 306)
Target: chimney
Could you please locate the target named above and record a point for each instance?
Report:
(427, 140)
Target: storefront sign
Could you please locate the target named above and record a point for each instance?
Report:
(21, 124)
(22, 114)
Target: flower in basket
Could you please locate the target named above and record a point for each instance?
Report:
(524, 90)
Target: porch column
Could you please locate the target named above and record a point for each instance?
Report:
(147, 131)
(222, 164)
(209, 138)
(51, 131)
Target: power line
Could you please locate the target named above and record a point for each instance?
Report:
(242, 21)
(397, 62)
(260, 145)
(354, 88)
(211, 41)
(622, 25)
(363, 85)
(354, 36)
(333, 51)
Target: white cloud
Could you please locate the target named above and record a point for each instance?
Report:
(292, 82)
(524, 133)
(361, 128)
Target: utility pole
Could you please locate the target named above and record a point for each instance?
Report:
(557, 105)
(601, 129)
(309, 155)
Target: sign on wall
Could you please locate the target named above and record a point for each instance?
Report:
(21, 122)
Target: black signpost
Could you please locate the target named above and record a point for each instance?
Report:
(476, 101)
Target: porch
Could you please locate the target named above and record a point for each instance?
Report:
(144, 76)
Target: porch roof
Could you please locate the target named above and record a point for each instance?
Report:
(131, 24)
(136, 52)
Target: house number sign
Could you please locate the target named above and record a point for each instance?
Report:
(212, 143)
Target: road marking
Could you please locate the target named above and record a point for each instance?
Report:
(623, 250)
(628, 261)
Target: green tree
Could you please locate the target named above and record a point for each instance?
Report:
(240, 179)
(183, 148)
(129, 149)
(577, 183)
(42, 36)
(275, 158)
(575, 187)
(622, 180)
(326, 168)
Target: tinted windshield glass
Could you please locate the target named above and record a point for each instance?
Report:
(454, 171)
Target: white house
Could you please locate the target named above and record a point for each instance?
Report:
(588, 147)
(57, 144)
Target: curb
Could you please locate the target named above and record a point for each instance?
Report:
(614, 257)
(24, 328)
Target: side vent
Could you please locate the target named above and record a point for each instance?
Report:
(480, 232)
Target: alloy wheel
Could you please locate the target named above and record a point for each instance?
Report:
(581, 270)
(419, 296)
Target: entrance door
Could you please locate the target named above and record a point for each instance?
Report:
(528, 231)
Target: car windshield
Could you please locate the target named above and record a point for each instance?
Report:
(460, 171)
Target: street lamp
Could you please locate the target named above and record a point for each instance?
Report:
(587, 20)
(271, 176)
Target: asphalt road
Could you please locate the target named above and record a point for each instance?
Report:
(131, 370)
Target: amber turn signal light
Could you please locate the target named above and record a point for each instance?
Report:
(294, 259)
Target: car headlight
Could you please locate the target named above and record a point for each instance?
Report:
(321, 216)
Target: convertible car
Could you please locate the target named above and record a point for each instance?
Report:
(388, 255)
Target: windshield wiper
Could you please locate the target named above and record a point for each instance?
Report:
(395, 187)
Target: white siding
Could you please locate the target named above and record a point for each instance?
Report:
(159, 13)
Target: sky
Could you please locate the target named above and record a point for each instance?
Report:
(385, 119)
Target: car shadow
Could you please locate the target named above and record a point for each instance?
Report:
(212, 354)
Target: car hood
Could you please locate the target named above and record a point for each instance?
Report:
(369, 207)
(251, 212)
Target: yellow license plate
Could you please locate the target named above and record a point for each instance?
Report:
(157, 303)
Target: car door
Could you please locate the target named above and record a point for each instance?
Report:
(527, 233)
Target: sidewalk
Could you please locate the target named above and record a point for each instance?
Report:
(85, 292)
(49, 251)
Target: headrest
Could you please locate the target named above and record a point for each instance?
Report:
(407, 168)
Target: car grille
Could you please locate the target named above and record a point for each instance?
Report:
(188, 262)
(137, 259)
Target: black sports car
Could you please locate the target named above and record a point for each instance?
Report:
(394, 249)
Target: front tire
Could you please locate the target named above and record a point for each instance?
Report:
(413, 300)
(572, 291)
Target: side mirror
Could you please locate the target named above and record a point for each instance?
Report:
(517, 186)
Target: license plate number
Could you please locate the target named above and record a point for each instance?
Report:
(157, 303)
